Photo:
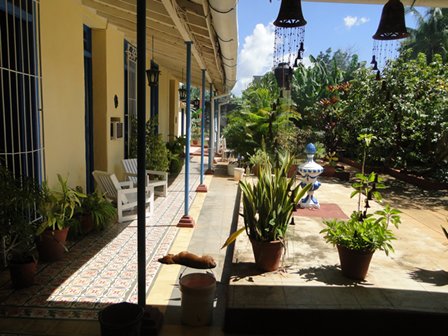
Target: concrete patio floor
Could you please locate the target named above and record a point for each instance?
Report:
(308, 295)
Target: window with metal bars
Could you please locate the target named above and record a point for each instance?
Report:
(20, 121)
(130, 96)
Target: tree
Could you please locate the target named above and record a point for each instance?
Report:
(431, 35)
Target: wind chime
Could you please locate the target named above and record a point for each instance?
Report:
(391, 28)
(289, 42)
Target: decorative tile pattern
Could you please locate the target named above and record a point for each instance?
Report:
(101, 268)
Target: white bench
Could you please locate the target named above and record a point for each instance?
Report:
(123, 194)
(161, 180)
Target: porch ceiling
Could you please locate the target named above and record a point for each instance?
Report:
(170, 23)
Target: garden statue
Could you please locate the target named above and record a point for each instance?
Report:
(309, 171)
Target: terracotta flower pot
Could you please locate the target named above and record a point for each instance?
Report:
(268, 255)
(86, 223)
(354, 264)
(51, 244)
(22, 274)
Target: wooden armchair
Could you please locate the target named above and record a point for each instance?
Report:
(123, 194)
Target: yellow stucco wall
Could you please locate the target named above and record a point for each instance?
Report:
(108, 81)
(63, 90)
(115, 86)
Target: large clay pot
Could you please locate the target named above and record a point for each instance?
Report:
(22, 274)
(86, 223)
(268, 255)
(354, 264)
(51, 244)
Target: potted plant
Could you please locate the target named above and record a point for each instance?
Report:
(57, 209)
(330, 167)
(362, 234)
(96, 212)
(259, 159)
(268, 204)
(17, 229)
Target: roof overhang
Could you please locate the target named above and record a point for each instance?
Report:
(211, 26)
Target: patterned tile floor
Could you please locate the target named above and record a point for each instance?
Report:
(100, 268)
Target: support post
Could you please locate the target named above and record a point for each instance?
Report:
(210, 170)
(202, 187)
(187, 220)
(141, 149)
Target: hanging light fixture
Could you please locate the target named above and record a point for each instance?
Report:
(182, 89)
(289, 41)
(153, 72)
(392, 27)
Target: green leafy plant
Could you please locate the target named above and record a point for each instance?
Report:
(176, 154)
(332, 159)
(57, 207)
(156, 150)
(269, 202)
(19, 197)
(363, 231)
(259, 159)
(98, 207)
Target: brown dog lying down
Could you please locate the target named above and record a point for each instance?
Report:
(189, 259)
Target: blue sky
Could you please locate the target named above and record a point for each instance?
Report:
(329, 25)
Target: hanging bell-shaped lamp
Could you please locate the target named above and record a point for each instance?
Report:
(392, 27)
(289, 37)
(290, 14)
(392, 23)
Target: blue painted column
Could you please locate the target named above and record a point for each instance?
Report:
(210, 135)
(141, 149)
(186, 220)
(202, 187)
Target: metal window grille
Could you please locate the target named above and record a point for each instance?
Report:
(130, 111)
(21, 145)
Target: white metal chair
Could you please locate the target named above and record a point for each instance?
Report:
(130, 168)
(123, 194)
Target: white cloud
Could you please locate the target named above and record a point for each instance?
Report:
(350, 21)
(255, 58)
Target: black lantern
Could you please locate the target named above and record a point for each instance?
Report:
(153, 72)
(196, 103)
(182, 93)
(182, 89)
(153, 75)
(392, 27)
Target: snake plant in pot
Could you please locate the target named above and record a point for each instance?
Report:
(268, 204)
(362, 234)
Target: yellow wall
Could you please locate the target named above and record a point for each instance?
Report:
(99, 78)
(115, 86)
(168, 105)
(63, 90)
(108, 81)
(173, 109)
